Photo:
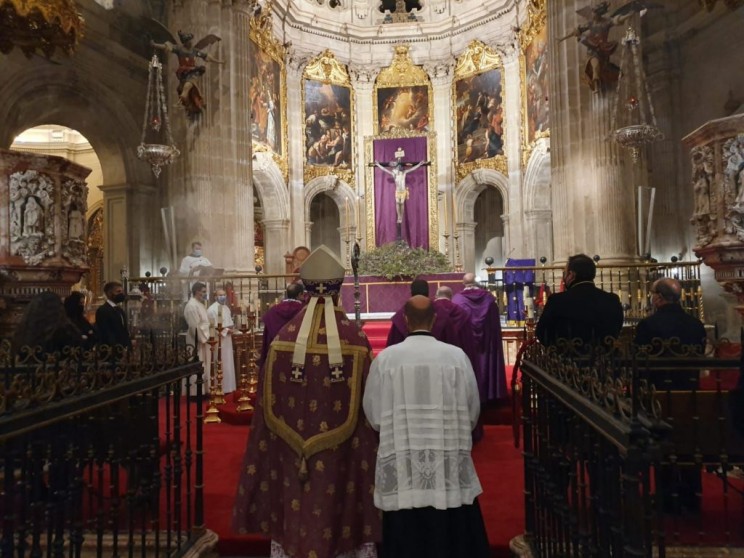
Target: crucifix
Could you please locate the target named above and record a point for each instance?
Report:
(398, 169)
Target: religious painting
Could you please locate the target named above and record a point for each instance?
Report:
(328, 103)
(478, 110)
(402, 101)
(267, 91)
(401, 192)
(403, 108)
(534, 77)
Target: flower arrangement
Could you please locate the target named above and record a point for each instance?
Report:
(397, 260)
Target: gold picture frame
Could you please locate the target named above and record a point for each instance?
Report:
(432, 198)
(329, 81)
(533, 45)
(478, 71)
(269, 49)
(406, 91)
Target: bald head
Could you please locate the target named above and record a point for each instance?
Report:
(419, 313)
(468, 279)
(669, 290)
(444, 292)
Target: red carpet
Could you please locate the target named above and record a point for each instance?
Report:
(498, 463)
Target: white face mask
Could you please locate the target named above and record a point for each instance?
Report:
(221, 299)
(197, 253)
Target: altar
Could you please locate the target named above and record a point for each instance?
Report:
(382, 295)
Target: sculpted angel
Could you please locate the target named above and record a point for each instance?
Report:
(188, 70)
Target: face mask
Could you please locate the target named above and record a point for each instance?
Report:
(221, 299)
(197, 253)
(118, 299)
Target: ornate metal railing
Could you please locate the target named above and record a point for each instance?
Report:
(101, 451)
(632, 452)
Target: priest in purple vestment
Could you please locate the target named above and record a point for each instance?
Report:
(278, 315)
(486, 327)
(307, 477)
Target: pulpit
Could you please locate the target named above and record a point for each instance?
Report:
(717, 156)
(43, 202)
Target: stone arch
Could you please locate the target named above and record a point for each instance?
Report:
(466, 193)
(339, 191)
(538, 206)
(271, 188)
(63, 95)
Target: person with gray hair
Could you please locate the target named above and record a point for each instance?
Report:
(670, 321)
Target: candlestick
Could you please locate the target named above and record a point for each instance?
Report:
(359, 218)
(445, 212)
(454, 211)
(348, 223)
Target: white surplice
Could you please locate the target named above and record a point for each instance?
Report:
(422, 396)
(198, 334)
(226, 344)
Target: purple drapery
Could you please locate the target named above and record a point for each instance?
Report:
(415, 229)
(514, 283)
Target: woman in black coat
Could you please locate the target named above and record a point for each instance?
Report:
(75, 310)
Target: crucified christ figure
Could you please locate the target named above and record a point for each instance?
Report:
(397, 169)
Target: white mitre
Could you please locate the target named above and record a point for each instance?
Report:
(322, 272)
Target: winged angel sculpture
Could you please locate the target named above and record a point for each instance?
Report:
(600, 71)
(188, 70)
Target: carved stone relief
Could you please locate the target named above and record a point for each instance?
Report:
(705, 197)
(733, 183)
(74, 207)
(31, 216)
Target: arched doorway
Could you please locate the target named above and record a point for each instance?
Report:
(61, 141)
(326, 220)
(489, 227)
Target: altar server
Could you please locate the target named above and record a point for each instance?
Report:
(219, 313)
(197, 335)
(423, 398)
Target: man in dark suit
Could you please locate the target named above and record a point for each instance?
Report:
(670, 320)
(582, 311)
(111, 320)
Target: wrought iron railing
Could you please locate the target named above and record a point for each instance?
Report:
(632, 452)
(101, 451)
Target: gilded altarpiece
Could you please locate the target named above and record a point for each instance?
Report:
(533, 66)
(403, 116)
(478, 110)
(328, 104)
(268, 92)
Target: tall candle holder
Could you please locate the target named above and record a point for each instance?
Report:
(219, 394)
(252, 366)
(348, 253)
(212, 416)
(446, 244)
(458, 265)
(244, 401)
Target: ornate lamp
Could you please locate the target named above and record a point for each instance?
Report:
(39, 25)
(635, 126)
(156, 116)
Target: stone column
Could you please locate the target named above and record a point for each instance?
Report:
(441, 81)
(117, 201)
(593, 196)
(466, 245)
(308, 233)
(362, 80)
(276, 233)
(211, 187)
(540, 238)
(514, 232)
(295, 128)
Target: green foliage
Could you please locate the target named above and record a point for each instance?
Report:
(397, 260)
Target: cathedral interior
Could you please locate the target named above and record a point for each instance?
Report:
(297, 97)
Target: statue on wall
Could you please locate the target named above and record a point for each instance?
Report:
(702, 181)
(31, 216)
(188, 70)
(600, 72)
(733, 159)
(74, 206)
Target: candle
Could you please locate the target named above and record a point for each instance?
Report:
(359, 218)
(454, 213)
(348, 223)
(530, 308)
(445, 212)
(211, 331)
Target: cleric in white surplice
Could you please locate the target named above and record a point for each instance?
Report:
(220, 316)
(423, 398)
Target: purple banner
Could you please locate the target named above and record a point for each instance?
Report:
(415, 229)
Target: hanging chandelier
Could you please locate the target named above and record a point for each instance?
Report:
(157, 155)
(634, 124)
(39, 26)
